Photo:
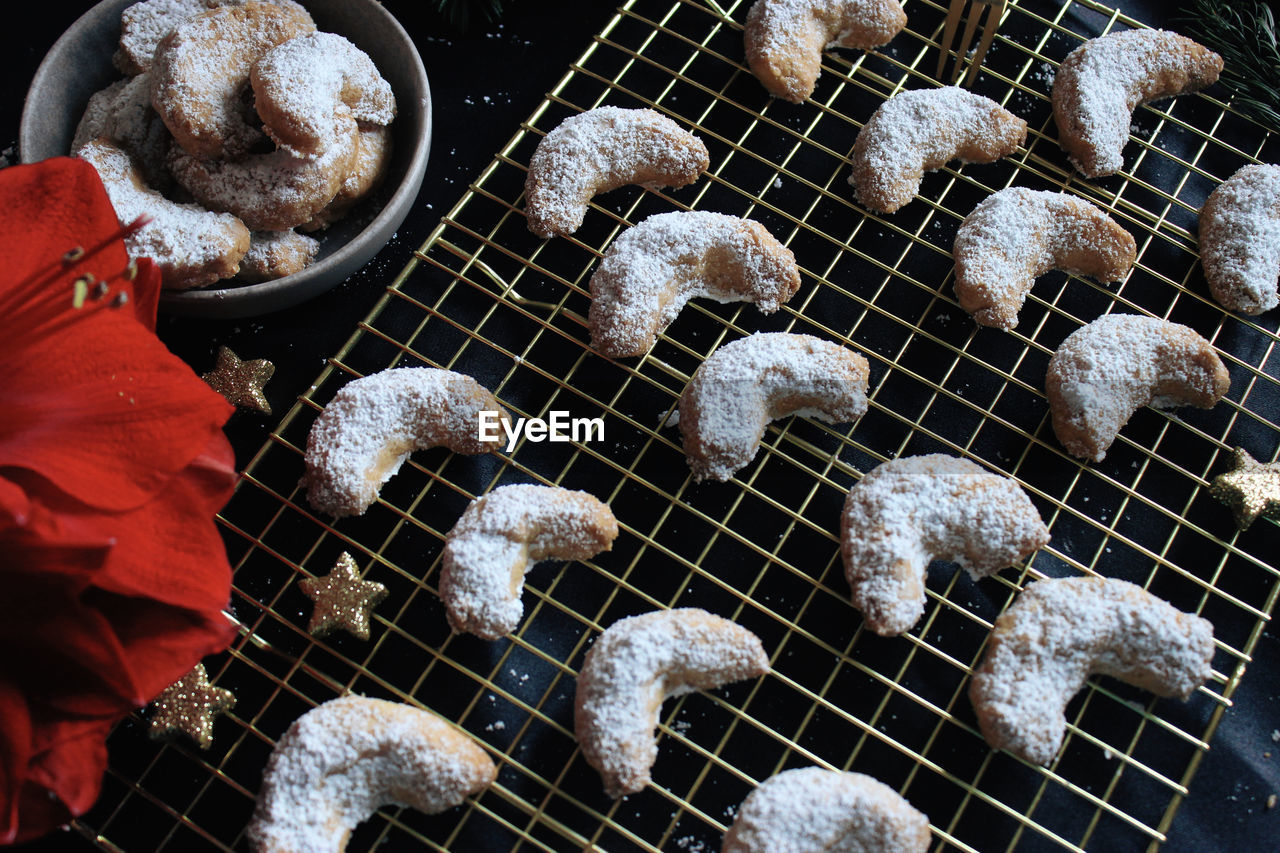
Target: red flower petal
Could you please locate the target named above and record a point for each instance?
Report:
(112, 466)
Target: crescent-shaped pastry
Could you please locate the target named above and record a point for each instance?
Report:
(497, 540)
(922, 130)
(747, 383)
(637, 663)
(1102, 81)
(343, 760)
(907, 512)
(654, 268)
(274, 191)
(1240, 239)
(191, 246)
(200, 74)
(600, 150)
(812, 810)
(1058, 633)
(784, 39)
(372, 425)
(300, 84)
(1105, 371)
(1017, 235)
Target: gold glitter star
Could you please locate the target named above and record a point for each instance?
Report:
(1250, 488)
(188, 707)
(241, 382)
(342, 600)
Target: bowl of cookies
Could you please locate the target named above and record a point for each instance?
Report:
(274, 145)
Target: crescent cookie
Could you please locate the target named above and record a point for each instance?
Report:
(370, 167)
(275, 191)
(1102, 81)
(600, 150)
(907, 512)
(144, 24)
(812, 810)
(497, 540)
(747, 383)
(922, 130)
(784, 39)
(122, 113)
(1017, 235)
(300, 84)
(1240, 239)
(343, 760)
(275, 254)
(637, 663)
(372, 424)
(654, 268)
(200, 74)
(1059, 632)
(192, 246)
(1105, 371)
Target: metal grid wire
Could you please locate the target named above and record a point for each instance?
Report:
(485, 297)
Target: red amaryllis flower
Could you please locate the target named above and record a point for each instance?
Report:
(113, 463)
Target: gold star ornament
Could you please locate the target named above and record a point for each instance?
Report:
(342, 600)
(188, 707)
(241, 382)
(1251, 488)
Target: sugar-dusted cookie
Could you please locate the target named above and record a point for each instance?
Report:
(637, 663)
(921, 130)
(1100, 83)
(747, 383)
(600, 150)
(498, 539)
(1105, 371)
(1059, 632)
(907, 512)
(1240, 239)
(784, 39)
(1017, 235)
(654, 268)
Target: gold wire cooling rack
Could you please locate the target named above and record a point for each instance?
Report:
(485, 297)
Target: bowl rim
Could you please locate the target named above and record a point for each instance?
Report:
(259, 298)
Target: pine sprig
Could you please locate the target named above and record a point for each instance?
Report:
(460, 13)
(1244, 33)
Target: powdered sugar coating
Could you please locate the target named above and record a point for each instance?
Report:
(275, 191)
(741, 387)
(655, 267)
(497, 540)
(372, 424)
(921, 130)
(1058, 633)
(600, 150)
(1016, 235)
(1101, 82)
(784, 39)
(1240, 239)
(143, 25)
(299, 85)
(812, 810)
(368, 170)
(273, 254)
(200, 75)
(637, 663)
(907, 512)
(192, 246)
(345, 759)
(122, 113)
(1105, 371)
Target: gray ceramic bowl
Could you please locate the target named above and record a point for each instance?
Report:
(79, 64)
